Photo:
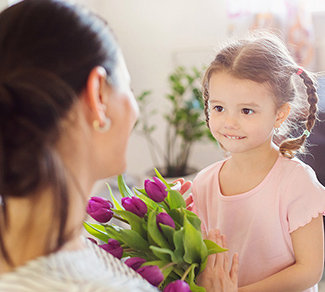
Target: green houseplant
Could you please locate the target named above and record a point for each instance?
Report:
(185, 123)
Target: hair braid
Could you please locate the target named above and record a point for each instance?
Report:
(206, 103)
(290, 147)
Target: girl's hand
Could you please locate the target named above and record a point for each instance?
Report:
(182, 186)
(218, 276)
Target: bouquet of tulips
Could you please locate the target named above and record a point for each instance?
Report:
(162, 241)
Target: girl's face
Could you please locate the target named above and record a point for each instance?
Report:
(242, 113)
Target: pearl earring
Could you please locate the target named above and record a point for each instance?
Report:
(276, 130)
(104, 128)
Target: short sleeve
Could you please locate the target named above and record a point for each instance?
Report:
(304, 197)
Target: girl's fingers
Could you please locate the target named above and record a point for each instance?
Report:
(181, 180)
(219, 256)
(226, 255)
(185, 187)
(189, 200)
(213, 260)
(234, 269)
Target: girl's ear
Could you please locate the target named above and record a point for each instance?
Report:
(282, 114)
(95, 89)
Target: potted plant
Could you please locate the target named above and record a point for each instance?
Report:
(185, 119)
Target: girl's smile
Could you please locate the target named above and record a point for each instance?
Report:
(233, 137)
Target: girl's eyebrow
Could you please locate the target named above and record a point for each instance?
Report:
(252, 104)
(214, 101)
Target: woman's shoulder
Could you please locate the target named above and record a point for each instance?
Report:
(90, 269)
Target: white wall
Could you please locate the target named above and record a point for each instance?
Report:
(155, 36)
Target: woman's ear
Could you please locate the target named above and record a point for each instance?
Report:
(96, 84)
(282, 114)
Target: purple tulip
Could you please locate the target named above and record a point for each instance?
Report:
(164, 218)
(152, 274)
(113, 247)
(135, 263)
(135, 205)
(156, 190)
(100, 209)
(177, 286)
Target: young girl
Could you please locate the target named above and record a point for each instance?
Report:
(268, 203)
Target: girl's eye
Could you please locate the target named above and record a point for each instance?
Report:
(219, 108)
(247, 111)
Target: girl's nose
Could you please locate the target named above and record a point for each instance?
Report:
(230, 122)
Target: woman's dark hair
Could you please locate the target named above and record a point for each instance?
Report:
(47, 50)
(263, 58)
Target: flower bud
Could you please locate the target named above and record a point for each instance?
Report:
(152, 274)
(113, 247)
(100, 209)
(177, 286)
(135, 263)
(156, 190)
(135, 205)
(164, 218)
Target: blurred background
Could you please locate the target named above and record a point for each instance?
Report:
(157, 37)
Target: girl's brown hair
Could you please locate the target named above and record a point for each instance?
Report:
(263, 58)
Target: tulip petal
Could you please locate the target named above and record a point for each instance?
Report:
(152, 274)
(135, 262)
(113, 247)
(177, 286)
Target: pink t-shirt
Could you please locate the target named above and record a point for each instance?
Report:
(258, 223)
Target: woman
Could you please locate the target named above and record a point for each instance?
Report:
(66, 113)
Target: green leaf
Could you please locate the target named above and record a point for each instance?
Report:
(213, 247)
(193, 218)
(130, 237)
(154, 233)
(191, 280)
(162, 179)
(136, 223)
(142, 191)
(96, 230)
(164, 254)
(195, 248)
(168, 233)
(179, 247)
(124, 189)
(203, 265)
(175, 200)
(115, 202)
(178, 217)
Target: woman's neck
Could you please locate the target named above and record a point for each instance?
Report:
(31, 227)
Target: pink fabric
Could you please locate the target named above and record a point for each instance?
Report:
(258, 223)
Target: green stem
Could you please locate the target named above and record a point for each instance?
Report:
(186, 272)
(128, 250)
(165, 201)
(120, 218)
(168, 265)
